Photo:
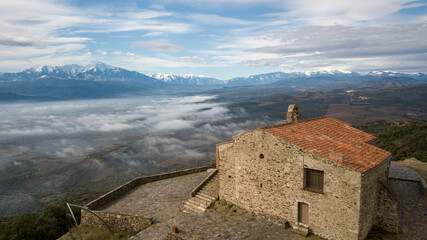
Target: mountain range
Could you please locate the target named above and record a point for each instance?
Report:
(101, 80)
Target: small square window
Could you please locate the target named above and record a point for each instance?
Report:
(313, 180)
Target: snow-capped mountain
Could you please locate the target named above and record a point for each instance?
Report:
(278, 76)
(381, 74)
(101, 72)
(331, 76)
(96, 72)
(186, 79)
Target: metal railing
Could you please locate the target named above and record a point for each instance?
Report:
(69, 205)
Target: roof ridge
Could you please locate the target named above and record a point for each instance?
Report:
(290, 123)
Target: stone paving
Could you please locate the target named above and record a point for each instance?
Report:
(159, 200)
(233, 224)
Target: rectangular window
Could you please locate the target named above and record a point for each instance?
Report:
(313, 180)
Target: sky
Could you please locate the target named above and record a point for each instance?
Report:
(216, 38)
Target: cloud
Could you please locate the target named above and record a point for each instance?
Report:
(154, 34)
(330, 12)
(220, 4)
(190, 59)
(160, 46)
(102, 52)
(216, 20)
(72, 151)
(173, 125)
(346, 45)
(77, 118)
(52, 30)
(14, 43)
(312, 12)
(309, 48)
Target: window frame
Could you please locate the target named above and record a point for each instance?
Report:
(308, 175)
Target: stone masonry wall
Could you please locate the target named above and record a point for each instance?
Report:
(226, 174)
(116, 222)
(370, 193)
(273, 185)
(387, 217)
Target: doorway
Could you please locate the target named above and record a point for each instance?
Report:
(303, 213)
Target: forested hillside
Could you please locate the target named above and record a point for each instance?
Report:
(404, 139)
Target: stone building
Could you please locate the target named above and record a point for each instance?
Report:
(319, 174)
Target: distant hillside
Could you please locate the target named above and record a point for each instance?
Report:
(315, 78)
(386, 82)
(50, 88)
(402, 103)
(5, 96)
(403, 139)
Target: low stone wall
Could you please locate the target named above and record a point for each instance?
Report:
(123, 189)
(116, 222)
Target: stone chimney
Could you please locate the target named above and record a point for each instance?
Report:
(293, 114)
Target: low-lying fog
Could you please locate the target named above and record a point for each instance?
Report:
(74, 128)
(128, 134)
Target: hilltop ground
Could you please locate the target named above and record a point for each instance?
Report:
(162, 201)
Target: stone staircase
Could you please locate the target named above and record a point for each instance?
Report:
(203, 196)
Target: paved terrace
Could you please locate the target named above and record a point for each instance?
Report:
(159, 200)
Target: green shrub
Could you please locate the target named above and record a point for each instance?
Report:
(51, 224)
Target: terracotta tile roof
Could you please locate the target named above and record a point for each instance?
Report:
(332, 139)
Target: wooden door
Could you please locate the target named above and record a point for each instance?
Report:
(303, 213)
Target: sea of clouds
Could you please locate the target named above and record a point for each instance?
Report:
(163, 127)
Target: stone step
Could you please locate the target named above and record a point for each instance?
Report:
(206, 196)
(207, 192)
(190, 206)
(199, 202)
(194, 206)
(301, 230)
(192, 209)
(203, 199)
(207, 200)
